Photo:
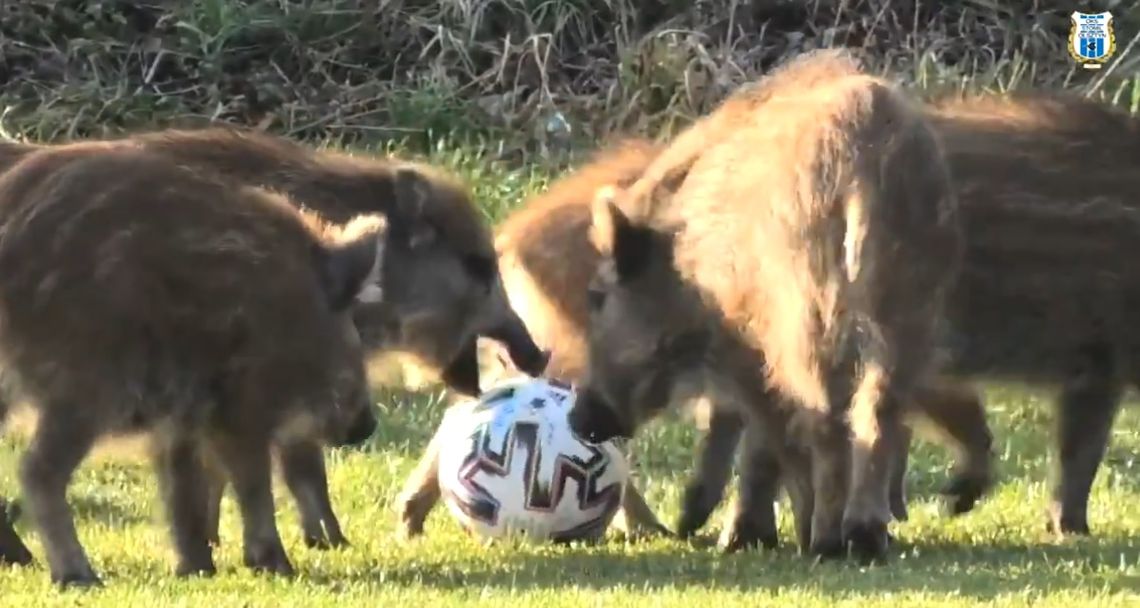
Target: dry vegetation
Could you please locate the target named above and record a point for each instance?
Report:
(527, 75)
(492, 80)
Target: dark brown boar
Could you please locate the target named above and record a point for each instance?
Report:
(546, 260)
(1048, 188)
(792, 248)
(143, 295)
(553, 226)
(440, 278)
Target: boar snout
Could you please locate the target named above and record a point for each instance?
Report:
(594, 420)
(361, 427)
(462, 374)
(525, 355)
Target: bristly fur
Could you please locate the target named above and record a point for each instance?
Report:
(547, 260)
(140, 294)
(440, 281)
(812, 219)
(1048, 185)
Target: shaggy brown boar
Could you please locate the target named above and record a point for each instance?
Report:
(440, 273)
(793, 248)
(139, 294)
(1048, 187)
(546, 259)
(548, 233)
(440, 277)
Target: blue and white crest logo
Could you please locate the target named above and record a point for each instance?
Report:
(1091, 39)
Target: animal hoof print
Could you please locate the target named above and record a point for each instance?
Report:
(867, 542)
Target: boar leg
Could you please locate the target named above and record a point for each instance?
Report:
(303, 465)
(420, 493)
(58, 447)
(1088, 405)
(875, 419)
(184, 483)
(636, 518)
(898, 496)
(12, 548)
(753, 517)
(247, 463)
(215, 490)
(796, 478)
(957, 409)
(829, 441)
(706, 489)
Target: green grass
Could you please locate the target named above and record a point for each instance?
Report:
(999, 554)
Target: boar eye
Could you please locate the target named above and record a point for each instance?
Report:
(596, 298)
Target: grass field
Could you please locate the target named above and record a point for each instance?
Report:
(999, 554)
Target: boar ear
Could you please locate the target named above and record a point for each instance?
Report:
(412, 192)
(413, 189)
(350, 266)
(617, 237)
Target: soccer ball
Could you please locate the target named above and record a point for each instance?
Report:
(510, 465)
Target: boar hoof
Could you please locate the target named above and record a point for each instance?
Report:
(17, 555)
(643, 532)
(77, 580)
(824, 549)
(194, 568)
(867, 541)
(696, 508)
(271, 559)
(325, 542)
(963, 493)
(1063, 524)
(898, 508)
(13, 551)
(743, 536)
(413, 510)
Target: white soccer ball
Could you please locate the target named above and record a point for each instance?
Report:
(509, 464)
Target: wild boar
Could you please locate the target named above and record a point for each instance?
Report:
(792, 248)
(440, 276)
(144, 295)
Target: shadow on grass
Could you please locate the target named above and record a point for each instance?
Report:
(979, 571)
